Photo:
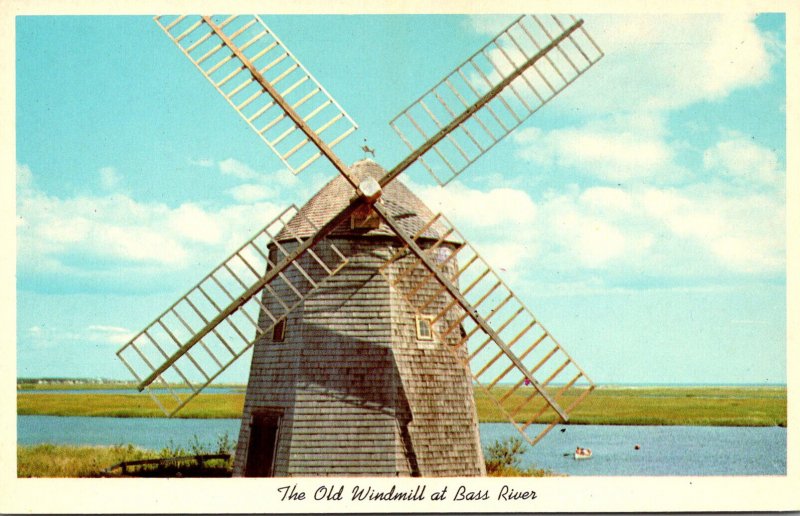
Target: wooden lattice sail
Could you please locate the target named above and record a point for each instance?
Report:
(495, 90)
(508, 347)
(208, 328)
(259, 77)
(372, 317)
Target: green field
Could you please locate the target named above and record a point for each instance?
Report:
(716, 406)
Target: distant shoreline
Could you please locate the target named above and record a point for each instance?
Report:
(607, 405)
(27, 383)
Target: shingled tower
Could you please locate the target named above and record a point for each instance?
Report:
(353, 382)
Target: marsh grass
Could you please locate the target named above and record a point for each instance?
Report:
(86, 386)
(205, 406)
(51, 461)
(708, 406)
(54, 461)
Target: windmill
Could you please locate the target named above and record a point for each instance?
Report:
(373, 320)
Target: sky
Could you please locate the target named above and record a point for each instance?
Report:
(641, 215)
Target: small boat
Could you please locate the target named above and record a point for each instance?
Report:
(582, 454)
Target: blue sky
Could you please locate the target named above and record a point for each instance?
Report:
(640, 215)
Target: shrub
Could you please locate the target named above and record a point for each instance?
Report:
(503, 460)
(504, 454)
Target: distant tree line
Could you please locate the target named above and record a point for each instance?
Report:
(44, 380)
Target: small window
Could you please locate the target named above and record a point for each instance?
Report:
(279, 331)
(424, 331)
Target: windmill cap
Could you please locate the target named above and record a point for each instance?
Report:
(406, 208)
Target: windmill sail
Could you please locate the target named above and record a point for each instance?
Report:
(513, 358)
(219, 319)
(263, 82)
(494, 91)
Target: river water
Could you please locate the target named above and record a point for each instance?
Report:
(664, 450)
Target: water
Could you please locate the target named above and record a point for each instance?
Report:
(207, 390)
(665, 450)
(150, 433)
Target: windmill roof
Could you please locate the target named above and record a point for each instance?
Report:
(408, 210)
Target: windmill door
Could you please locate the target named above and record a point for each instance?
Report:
(263, 444)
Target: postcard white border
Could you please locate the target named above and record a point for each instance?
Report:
(573, 494)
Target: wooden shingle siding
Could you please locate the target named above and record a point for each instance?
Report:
(438, 387)
(359, 394)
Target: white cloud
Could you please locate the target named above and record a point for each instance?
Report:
(736, 56)
(492, 208)
(617, 149)
(203, 162)
(508, 215)
(113, 237)
(740, 231)
(87, 234)
(109, 178)
(594, 242)
(237, 169)
(108, 329)
(704, 230)
(190, 221)
(615, 201)
(661, 62)
(724, 218)
(613, 157)
(251, 192)
(507, 257)
(489, 24)
(281, 177)
(108, 334)
(664, 62)
(258, 185)
(745, 162)
(114, 227)
(24, 177)
(47, 337)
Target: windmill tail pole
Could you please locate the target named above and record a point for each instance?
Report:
(471, 110)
